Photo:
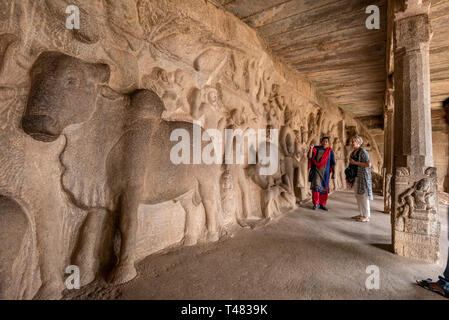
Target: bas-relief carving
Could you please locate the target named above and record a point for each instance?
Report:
(87, 172)
(421, 196)
(340, 178)
(235, 173)
(105, 178)
(228, 201)
(277, 195)
(416, 224)
(304, 164)
(17, 244)
(172, 87)
(402, 172)
(289, 150)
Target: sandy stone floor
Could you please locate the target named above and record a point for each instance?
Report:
(306, 254)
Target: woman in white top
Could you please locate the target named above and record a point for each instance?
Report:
(363, 186)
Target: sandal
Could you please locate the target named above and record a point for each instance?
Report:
(433, 286)
(363, 220)
(357, 217)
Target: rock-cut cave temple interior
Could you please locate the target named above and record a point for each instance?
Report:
(162, 148)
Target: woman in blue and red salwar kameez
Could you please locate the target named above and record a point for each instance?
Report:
(321, 164)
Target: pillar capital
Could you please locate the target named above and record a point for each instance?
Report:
(412, 32)
(412, 8)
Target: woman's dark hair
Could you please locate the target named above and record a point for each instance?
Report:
(323, 138)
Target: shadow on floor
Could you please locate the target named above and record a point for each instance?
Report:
(384, 246)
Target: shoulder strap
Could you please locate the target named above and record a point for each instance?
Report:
(361, 150)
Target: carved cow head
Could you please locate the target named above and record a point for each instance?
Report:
(63, 92)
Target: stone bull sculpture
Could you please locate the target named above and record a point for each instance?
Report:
(117, 153)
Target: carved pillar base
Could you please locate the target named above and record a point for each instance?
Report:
(416, 225)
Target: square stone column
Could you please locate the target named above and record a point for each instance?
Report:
(388, 158)
(415, 221)
(389, 108)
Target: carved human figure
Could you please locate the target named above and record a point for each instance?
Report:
(237, 120)
(276, 99)
(288, 148)
(297, 156)
(123, 16)
(319, 124)
(303, 149)
(307, 138)
(340, 165)
(228, 196)
(276, 190)
(71, 97)
(421, 196)
(312, 127)
(275, 107)
(172, 88)
(272, 116)
(203, 101)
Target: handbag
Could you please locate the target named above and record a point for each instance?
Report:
(351, 170)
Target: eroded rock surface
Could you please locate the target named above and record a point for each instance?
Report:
(85, 123)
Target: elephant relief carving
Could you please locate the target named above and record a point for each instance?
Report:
(117, 152)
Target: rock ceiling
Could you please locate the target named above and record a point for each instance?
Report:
(327, 41)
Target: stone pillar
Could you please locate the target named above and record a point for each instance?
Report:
(388, 158)
(415, 221)
(389, 108)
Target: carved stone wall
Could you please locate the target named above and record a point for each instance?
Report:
(85, 122)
